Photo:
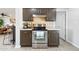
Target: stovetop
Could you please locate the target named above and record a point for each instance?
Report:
(39, 28)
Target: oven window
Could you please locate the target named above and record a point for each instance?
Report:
(40, 35)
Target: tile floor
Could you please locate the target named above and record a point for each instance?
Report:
(64, 46)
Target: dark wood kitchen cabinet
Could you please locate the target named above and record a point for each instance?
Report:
(26, 38)
(50, 12)
(53, 38)
(40, 11)
(27, 14)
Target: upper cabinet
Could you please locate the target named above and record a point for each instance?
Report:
(40, 11)
(27, 14)
(50, 12)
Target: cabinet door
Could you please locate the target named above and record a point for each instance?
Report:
(27, 14)
(40, 11)
(53, 38)
(51, 14)
(26, 38)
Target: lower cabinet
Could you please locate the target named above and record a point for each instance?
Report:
(26, 38)
(53, 38)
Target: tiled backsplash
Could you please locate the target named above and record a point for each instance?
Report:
(50, 25)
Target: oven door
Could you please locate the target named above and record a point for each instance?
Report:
(39, 37)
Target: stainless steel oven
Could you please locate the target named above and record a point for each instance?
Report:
(39, 39)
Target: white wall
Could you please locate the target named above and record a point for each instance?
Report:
(72, 35)
(72, 25)
(50, 25)
(18, 26)
(60, 22)
(8, 11)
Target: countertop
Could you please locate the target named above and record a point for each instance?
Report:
(26, 29)
(47, 29)
(53, 29)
